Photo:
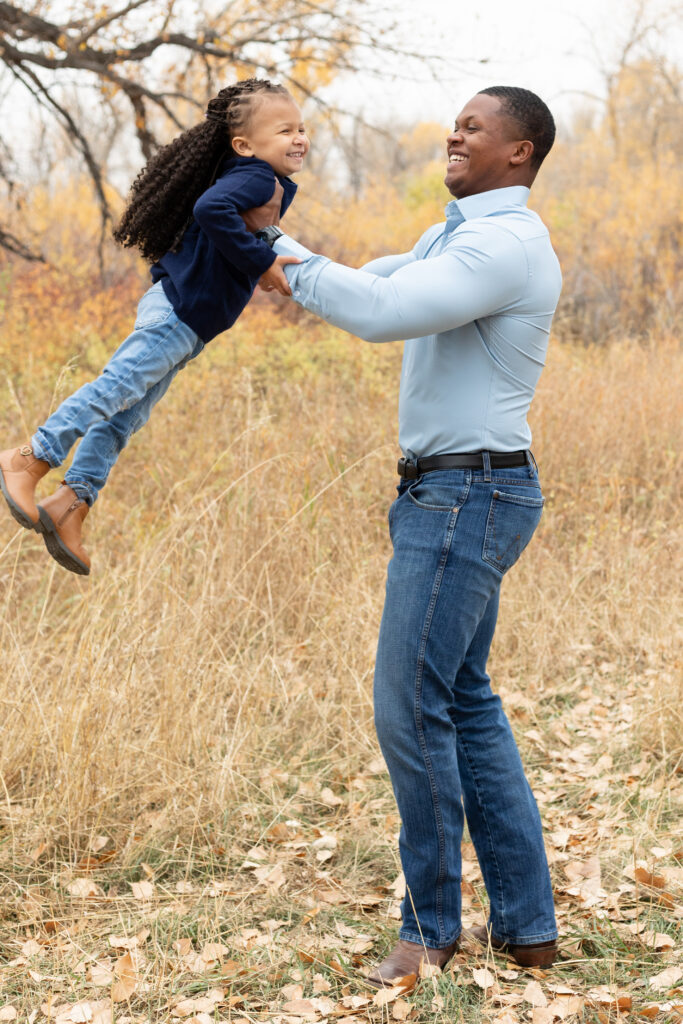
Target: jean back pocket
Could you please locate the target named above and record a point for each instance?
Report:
(153, 308)
(511, 523)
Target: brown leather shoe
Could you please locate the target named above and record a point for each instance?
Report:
(20, 472)
(538, 954)
(405, 959)
(61, 518)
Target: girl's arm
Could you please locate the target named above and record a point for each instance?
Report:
(218, 213)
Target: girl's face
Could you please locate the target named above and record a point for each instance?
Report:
(275, 133)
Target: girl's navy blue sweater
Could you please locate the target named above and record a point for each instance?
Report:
(211, 278)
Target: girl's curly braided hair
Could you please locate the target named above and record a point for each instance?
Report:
(162, 197)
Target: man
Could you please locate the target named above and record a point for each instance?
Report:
(474, 299)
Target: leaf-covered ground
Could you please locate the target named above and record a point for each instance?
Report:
(282, 930)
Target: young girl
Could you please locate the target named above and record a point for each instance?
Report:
(183, 216)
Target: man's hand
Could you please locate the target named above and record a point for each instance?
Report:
(261, 216)
(274, 278)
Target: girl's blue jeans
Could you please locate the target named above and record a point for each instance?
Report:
(445, 738)
(107, 411)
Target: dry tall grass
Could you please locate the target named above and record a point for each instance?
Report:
(222, 651)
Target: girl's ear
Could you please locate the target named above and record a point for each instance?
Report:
(242, 146)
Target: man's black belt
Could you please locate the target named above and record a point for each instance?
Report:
(410, 469)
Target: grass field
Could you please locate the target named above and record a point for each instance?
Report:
(195, 822)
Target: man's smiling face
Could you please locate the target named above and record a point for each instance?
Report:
(481, 149)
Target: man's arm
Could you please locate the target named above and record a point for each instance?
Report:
(483, 270)
(385, 266)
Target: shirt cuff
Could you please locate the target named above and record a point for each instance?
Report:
(301, 276)
(286, 246)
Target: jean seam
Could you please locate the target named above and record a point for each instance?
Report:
(419, 675)
(45, 449)
(492, 848)
(416, 937)
(76, 485)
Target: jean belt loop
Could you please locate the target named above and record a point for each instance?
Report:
(531, 462)
(486, 457)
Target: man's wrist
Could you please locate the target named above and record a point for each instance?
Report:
(269, 234)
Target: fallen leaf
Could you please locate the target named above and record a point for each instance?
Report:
(183, 1008)
(84, 887)
(292, 991)
(483, 977)
(429, 970)
(271, 876)
(534, 994)
(603, 995)
(92, 860)
(98, 843)
(323, 1004)
(566, 1006)
(354, 1002)
(129, 942)
(401, 1009)
(101, 974)
(143, 890)
(329, 798)
(667, 978)
(278, 833)
(325, 842)
(30, 948)
(304, 1006)
(320, 984)
(214, 951)
(541, 1015)
(78, 1013)
(127, 979)
(398, 886)
(647, 878)
(657, 940)
(8, 1012)
(362, 944)
(576, 870)
(506, 1018)
(388, 995)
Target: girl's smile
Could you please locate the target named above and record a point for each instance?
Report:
(276, 134)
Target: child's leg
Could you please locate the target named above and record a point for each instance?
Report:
(62, 514)
(158, 344)
(104, 442)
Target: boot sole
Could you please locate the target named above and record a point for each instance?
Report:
(56, 546)
(17, 511)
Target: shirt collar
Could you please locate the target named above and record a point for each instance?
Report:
(484, 203)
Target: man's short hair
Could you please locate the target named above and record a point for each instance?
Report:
(532, 116)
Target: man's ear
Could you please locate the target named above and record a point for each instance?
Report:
(242, 146)
(522, 153)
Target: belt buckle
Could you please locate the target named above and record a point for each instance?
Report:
(407, 469)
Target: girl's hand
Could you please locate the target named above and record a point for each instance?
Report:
(274, 278)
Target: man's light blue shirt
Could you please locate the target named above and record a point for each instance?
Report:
(473, 300)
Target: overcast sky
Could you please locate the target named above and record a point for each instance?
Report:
(548, 46)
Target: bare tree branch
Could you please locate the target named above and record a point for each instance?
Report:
(129, 50)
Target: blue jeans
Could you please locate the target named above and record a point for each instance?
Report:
(107, 411)
(443, 733)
